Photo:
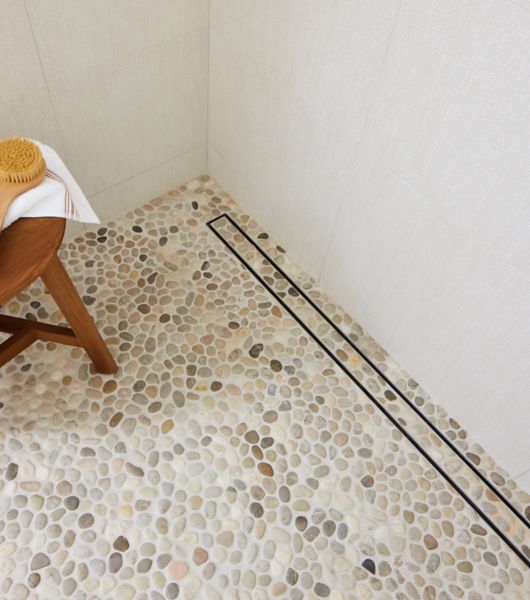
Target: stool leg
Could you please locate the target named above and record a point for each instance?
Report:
(62, 289)
(16, 344)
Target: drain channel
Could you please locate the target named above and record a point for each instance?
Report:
(521, 553)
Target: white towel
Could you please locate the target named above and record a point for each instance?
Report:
(57, 196)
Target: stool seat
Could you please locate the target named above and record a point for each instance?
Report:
(28, 250)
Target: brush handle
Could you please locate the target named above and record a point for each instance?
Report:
(10, 191)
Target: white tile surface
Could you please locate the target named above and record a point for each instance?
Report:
(143, 187)
(120, 119)
(523, 481)
(425, 67)
(377, 223)
(122, 89)
(294, 156)
(20, 70)
(78, 34)
(73, 229)
(223, 169)
(31, 115)
(447, 89)
(263, 31)
(421, 229)
(346, 47)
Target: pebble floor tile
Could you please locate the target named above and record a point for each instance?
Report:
(230, 457)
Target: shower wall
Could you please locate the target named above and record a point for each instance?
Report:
(386, 145)
(119, 88)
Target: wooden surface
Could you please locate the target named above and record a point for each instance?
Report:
(67, 299)
(26, 248)
(42, 331)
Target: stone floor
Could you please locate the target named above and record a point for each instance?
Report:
(231, 457)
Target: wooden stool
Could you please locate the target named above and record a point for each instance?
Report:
(28, 249)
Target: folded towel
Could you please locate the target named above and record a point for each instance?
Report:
(57, 196)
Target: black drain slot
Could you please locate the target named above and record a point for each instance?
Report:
(346, 371)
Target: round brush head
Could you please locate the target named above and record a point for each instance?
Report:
(20, 160)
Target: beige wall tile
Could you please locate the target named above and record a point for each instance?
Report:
(120, 119)
(122, 91)
(523, 481)
(73, 230)
(396, 136)
(78, 34)
(288, 159)
(145, 186)
(448, 65)
(20, 70)
(345, 47)
(229, 174)
(31, 115)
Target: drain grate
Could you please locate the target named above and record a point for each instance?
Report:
(434, 447)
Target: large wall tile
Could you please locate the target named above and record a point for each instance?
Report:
(262, 31)
(345, 46)
(143, 187)
(118, 88)
(447, 304)
(121, 118)
(386, 145)
(444, 78)
(288, 159)
(77, 34)
(229, 106)
(226, 174)
(20, 70)
(379, 217)
(524, 481)
(31, 115)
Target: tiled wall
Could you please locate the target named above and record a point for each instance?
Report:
(386, 145)
(118, 87)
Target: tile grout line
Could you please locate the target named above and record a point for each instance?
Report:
(208, 89)
(165, 162)
(46, 85)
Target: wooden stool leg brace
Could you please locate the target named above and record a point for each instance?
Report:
(83, 332)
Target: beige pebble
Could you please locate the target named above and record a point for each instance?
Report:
(178, 569)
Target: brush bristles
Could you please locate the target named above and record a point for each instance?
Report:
(20, 160)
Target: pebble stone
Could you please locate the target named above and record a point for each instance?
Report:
(229, 456)
(39, 561)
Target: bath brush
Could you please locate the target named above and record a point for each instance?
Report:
(22, 168)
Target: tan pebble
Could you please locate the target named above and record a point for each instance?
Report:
(259, 529)
(20, 592)
(167, 426)
(276, 311)
(110, 386)
(188, 537)
(125, 592)
(200, 556)
(464, 566)
(249, 579)
(265, 469)
(178, 570)
(225, 538)
(116, 418)
(430, 542)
